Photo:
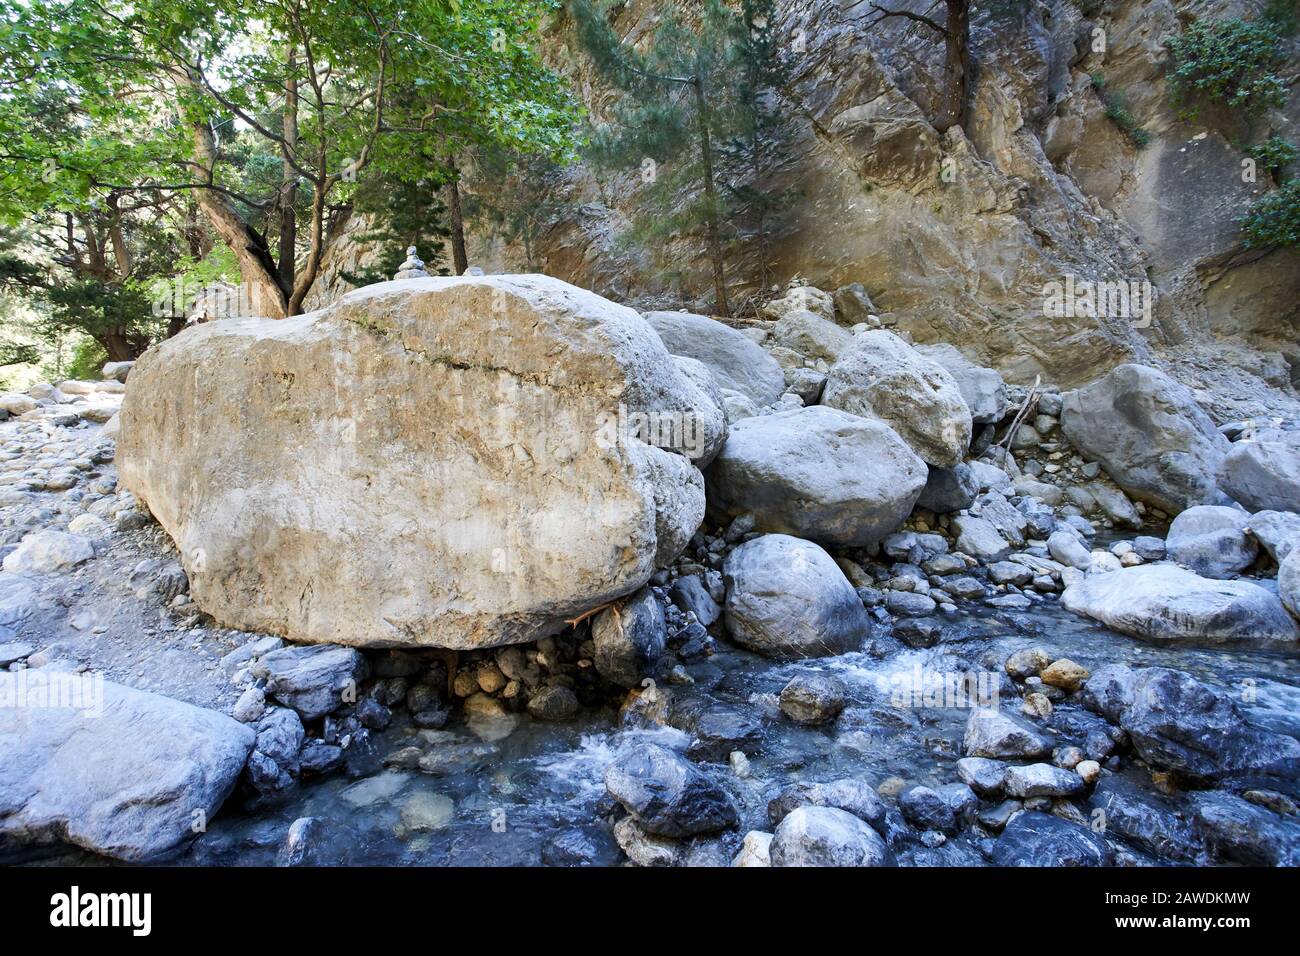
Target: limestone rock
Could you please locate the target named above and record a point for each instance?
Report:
(882, 377)
(811, 335)
(1150, 435)
(817, 473)
(981, 388)
(1169, 605)
(826, 836)
(737, 363)
(126, 783)
(1211, 540)
(787, 598)
(442, 462)
(1263, 473)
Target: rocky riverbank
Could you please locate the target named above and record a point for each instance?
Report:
(867, 604)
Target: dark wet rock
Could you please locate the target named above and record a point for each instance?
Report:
(690, 594)
(812, 698)
(787, 598)
(826, 836)
(319, 757)
(313, 680)
(851, 796)
(997, 816)
(1238, 831)
(630, 638)
(992, 733)
(1041, 780)
(554, 704)
(1146, 819)
(304, 845)
(581, 846)
(667, 794)
(943, 809)
(1040, 839)
(918, 632)
(373, 714)
(948, 489)
(280, 737)
(982, 775)
(1177, 723)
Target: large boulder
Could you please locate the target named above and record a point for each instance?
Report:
(449, 462)
(1178, 723)
(787, 598)
(810, 335)
(1041, 839)
(1169, 605)
(1149, 434)
(1263, 473)
(949, 489)
(738, 363)
(981, 388)
(128, 777)
(311, 680)
(1278, 532)
(1288, 581)
(817, 473)
(1212, 540)
(883, 377)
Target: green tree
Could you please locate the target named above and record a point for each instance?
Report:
(267, 115)
(678, 98)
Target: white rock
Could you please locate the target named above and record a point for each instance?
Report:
(44, 552)
(432, 462)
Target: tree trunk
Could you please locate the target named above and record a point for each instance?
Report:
(459, 261)
(956, 66)
(289, 179)
(120, 347)
(260, 277)
(711, 198)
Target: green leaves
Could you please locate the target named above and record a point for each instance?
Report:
(1274, 220)
(1230, 62)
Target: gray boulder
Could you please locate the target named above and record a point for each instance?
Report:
(1263, 473)
(1066, 547)
(979, 537)
(1041, 780)
(1288, 581)
(129, 782)
(812, 698)
(1041, 839)
(1178, 723)
(690, 594)
(884, 378)
(826, 836)
(1276, 531)
(808, 334)
(853, 796)
(981, 388)
(852, 304)
(949, 489)
(1238, 831)
(49, 551)
(313, 680)
(1149, 434)
(737, 363)
(1169, 605)
(787, 598)
(630, 638)
(1212, 541)
(667, 794)
(1145, 818)
(816, 473)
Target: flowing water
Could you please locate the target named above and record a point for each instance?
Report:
(518, 792)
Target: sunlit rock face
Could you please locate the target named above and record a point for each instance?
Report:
(442, 462)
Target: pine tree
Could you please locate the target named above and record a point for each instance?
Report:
(681, 98)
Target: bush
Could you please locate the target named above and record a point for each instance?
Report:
(1274, 220)
(1231, 62)
(1117, 112)
(1274, 154)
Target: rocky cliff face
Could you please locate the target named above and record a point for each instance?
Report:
(960, 237)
